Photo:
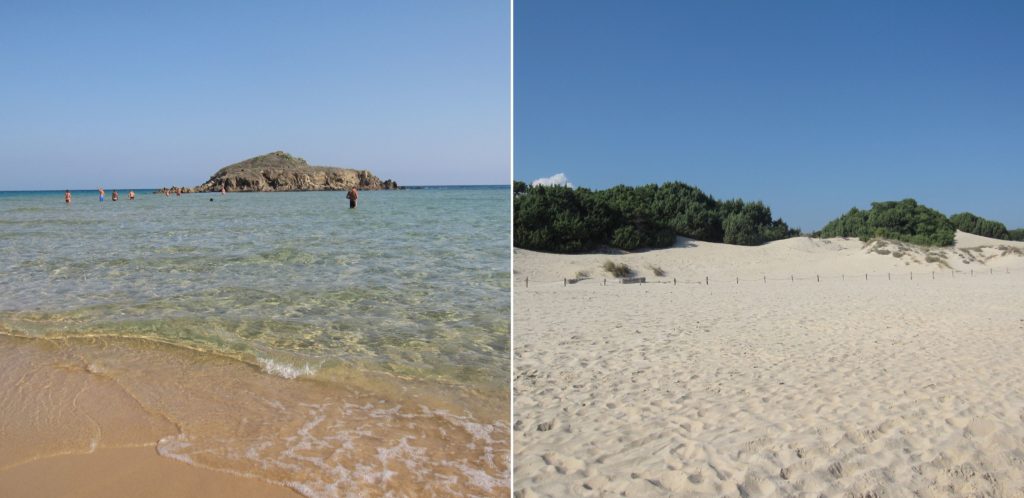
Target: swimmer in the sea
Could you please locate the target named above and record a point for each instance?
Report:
(67, 197)
(353, 196)
(101, 194)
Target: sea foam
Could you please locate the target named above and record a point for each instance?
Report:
(285, 370)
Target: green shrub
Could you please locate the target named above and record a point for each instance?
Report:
(967, 222)
(562, 219)
(627, 237)
(905, 220)
(552, 219)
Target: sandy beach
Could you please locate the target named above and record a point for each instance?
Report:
(110, 416)
(127, 472)
(806, 378)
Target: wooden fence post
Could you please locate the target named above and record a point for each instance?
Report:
(563, 281)
(818, 277)
(673, 280)
(890, 276)
(765, 277)
(527, 282)
(706, 282)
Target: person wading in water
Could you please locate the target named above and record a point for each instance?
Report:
(353, 196)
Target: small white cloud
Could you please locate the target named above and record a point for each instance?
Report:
(556, 179)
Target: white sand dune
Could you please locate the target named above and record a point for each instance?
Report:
(837, 387)
(798, 257)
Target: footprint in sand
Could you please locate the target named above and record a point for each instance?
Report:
(755, 486)
(980, 428)
(563, 464)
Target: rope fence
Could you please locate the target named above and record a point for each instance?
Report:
(764, 279)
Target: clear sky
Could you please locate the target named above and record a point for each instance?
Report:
(147, 94)
(813, 107)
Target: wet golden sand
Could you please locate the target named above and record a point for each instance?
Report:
(127, 472)
(89, 410)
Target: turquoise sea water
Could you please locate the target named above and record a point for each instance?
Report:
(413, 283)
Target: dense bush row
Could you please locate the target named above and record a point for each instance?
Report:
(904, 220)
(909, 221)
(967, 222)
(562, 219)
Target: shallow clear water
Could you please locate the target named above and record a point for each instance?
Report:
(373, 343)
(412, 282)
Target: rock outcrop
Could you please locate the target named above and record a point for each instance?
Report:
(280, 171)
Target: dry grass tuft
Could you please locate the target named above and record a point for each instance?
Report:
(658, 272)
(618, 270)
(1008, 250)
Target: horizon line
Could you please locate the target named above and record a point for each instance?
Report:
(248, 192)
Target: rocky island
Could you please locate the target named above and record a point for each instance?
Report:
(280, 171)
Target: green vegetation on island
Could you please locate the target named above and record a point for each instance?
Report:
(566, 220)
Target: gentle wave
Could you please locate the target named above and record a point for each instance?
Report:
(285, 370)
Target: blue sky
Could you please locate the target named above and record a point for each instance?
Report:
(147, 94)
(812, 107)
